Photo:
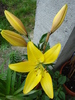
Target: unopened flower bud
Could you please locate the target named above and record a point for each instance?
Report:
(15, 22)
(59, 18)
(13, 38)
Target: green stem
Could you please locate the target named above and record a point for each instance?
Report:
(47, 38)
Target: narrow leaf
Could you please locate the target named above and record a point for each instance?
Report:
(1, 94)
(13, 82)
(8, 81)
(20, 89)
(43, 38)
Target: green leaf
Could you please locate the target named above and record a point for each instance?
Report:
(45, 97)
(2, 88)
(62, 95)
(55, 94)
(56, 74)
(2, 72)
(18, 97)
(13, 82)
(57, 98)
(34, 94)
(43, 38)
(47, 47)
(20, 89)
(55, 84)
(18, 77)
(62, 79)
(2, 66)
(3, 75)
(28, 98)
(9, 97)
(1, 94)
(2, 98)
(33, 91)
(23, 83)
(8, 83)
(3, 84)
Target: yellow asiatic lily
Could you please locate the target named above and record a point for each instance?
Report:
(37, 73)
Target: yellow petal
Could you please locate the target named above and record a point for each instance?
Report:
(59, 18)
(34, 54)
(51, 55)
(32, 80)
(46, 83)
(13, 38)
(22, 66)
(15, 22)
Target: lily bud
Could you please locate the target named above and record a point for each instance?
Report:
(13, 38)
(59, 18)
(15, 22)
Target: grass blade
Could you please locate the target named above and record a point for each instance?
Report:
(13, 82)
(8, 81)
(20, 89)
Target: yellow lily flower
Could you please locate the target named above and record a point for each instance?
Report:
(59, 18)
(34, 65)
(15, 22)
(13, 38)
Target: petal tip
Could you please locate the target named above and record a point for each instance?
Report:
(5, 11)
(59, 45)
(24, 92)
(66, 5)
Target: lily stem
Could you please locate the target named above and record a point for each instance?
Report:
(47, 38)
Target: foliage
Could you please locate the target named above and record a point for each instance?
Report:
(9, 86)
(3, 73)
(42, 43)
(15, 57)
(58, 81)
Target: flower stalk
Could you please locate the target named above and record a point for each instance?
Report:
(47, 38)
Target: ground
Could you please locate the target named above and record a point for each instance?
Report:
(2, 8)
